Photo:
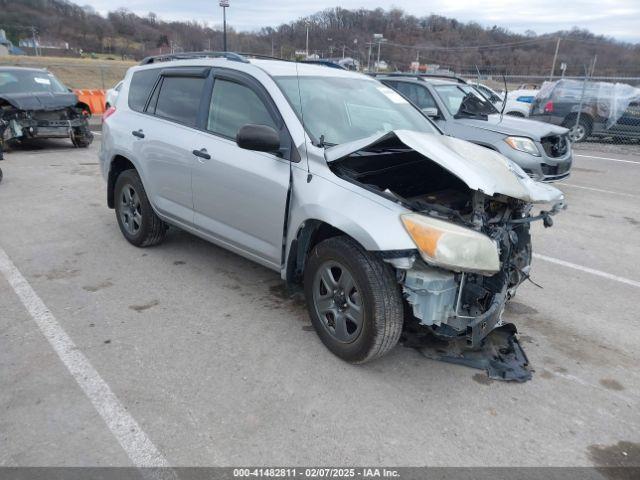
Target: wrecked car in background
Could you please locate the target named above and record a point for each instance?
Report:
(342, 186)
(34, 104)
(592, 109)
(456, 107)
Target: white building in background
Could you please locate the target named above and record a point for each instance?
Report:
(5, 44)
(43, 44)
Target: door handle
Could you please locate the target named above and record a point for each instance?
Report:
(202, 154)
(138, 133)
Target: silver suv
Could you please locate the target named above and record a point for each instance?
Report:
(542, 150)
(332, 179)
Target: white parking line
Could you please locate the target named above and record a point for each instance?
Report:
(606, 158)
(592, 271)
(612, 192)
(139, 448)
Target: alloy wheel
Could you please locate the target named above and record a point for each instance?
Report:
(130, 210)
(338, 301)
(577, 133)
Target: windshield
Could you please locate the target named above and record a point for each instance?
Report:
(29, 81)
(339, 110)
(464, 100)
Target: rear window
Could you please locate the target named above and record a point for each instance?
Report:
(179, 99)
(141, 84)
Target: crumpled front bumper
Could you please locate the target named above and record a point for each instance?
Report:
(436, 297)
(478, 327)
(34, 128)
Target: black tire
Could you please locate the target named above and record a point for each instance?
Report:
(0, 175)
(515, 114)
(581, 131)
(9, 145)
(378, 293)
(137, 221)
(81, 137)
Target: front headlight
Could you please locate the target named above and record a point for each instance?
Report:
(523, 144)
(450, 246)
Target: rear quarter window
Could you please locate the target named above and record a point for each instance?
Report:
(141, 84)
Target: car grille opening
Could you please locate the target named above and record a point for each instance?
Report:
(555, 145)
(555, 169)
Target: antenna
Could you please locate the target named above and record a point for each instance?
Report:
(504, 99)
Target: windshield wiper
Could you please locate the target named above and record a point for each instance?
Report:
(472, 106)
(322, 143)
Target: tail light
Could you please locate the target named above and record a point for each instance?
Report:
(548, 107)
(110, 111)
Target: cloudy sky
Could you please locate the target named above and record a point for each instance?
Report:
(616, 18)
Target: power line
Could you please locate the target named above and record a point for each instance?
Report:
(472, 47)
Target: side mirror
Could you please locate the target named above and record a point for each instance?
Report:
(260, 138)
(430, 112)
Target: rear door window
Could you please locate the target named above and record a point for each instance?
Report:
(179, 99)
(141, 84)
(234, 105)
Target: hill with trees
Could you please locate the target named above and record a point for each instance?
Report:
(332, 33)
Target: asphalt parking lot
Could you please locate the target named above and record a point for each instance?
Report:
(186, 354)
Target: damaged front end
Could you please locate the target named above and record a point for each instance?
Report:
(19, 124)
(472, 233)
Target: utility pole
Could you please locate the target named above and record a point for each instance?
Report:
(343, 49)
(555, 57)
(35, 42)
(378, 37)
(224, 4)
(307, 44)
(369, 57)
(593, 65)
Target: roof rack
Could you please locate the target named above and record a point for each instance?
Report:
(262, 57)
(234, 57)
(419, 75)
(324, 63)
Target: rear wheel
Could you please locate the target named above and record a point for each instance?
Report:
(354, 300)
(578, 132)
(137, 221)
(515, 114)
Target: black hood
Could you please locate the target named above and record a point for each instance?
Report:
(40, 101)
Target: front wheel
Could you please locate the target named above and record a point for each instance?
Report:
(354, 300)
(81, 137)
(137, 221)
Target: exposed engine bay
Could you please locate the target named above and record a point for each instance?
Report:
(17, 125)
(452, 304)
